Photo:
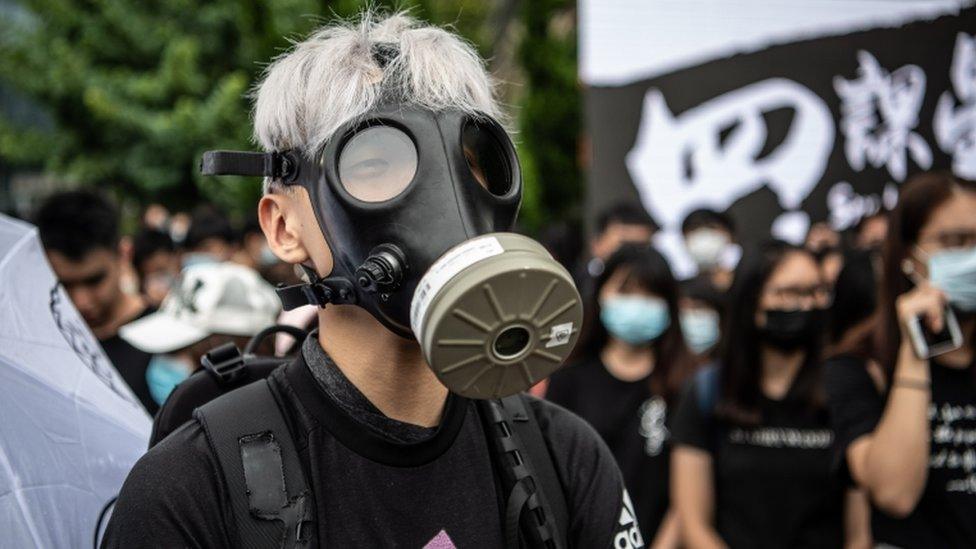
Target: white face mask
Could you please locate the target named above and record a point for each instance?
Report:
(706, 246)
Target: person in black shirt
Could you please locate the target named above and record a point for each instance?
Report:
(702, 307)
(909, 438)
(752, 460)
(157, 262)
(378, 481)
(631, 364)
(825, 244)
(391, 457)
(80, 233)
(620, 223)
(209, 238)
(709, 237)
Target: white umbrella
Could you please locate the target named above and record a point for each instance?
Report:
(70, 428)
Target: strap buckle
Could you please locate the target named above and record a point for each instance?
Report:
(225, 363)
(320, 293)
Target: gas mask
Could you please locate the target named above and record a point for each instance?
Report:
(415, 206)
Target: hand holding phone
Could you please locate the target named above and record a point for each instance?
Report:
(927, 343)
(929, 323)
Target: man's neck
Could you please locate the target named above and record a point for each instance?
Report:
(125, 310)
(389, 370)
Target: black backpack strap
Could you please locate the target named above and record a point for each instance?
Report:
(531, 473)
(270, 499)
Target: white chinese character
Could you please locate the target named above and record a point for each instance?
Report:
(878, 113)
(682, 161)
(954, 124)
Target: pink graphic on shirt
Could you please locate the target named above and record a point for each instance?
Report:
(440, 541)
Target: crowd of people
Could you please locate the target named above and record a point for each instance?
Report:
(159, 299)
(773, 400)
(783, 403)
(812, 395)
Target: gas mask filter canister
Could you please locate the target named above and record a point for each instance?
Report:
(416, 207)
(495, 315)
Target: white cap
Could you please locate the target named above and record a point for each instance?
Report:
(211, 298)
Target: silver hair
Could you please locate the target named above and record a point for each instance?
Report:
(339, 73)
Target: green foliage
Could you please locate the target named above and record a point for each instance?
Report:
(550, 111)
(137, 89)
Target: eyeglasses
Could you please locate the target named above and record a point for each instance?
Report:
(797, 296)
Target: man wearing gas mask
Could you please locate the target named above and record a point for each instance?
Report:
(390, 183)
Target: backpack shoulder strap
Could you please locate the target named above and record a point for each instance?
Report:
(248, 435)
(543, 465)
(530, 471)
(706, 389)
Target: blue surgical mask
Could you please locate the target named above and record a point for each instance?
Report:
(163, 374)
(636, 320)
(954, 272)
(700, 328)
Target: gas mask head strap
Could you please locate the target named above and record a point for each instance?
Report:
(276, 165)
(283, 166)
(316, 291)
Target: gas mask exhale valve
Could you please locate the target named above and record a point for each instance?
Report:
(415, 206)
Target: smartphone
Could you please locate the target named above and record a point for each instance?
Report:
(928, 344)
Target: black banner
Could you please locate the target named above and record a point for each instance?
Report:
(815, 130)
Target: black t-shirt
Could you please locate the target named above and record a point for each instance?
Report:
(369, 490)
(774, 483)
(632, 421)
(131, 364)
(946, 513)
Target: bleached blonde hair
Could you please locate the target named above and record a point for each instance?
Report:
(344, 69)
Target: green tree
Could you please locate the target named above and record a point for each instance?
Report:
(550, 112)
(137, 89)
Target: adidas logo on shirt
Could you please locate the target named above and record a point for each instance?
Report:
(628, 536)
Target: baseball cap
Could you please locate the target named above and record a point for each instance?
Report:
(209, 298)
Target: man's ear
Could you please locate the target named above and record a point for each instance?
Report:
(281, 225)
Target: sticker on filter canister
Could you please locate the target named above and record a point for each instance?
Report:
(559, 335)
(444, 269)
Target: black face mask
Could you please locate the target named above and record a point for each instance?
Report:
(790, 330)
(413, 205)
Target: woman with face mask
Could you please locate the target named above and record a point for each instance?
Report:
(751, 465)
(709, 238)
(629, 365)
(701, 307)
(909, 439)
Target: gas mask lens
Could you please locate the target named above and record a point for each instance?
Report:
(377, 164)
(486, 158)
